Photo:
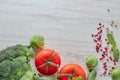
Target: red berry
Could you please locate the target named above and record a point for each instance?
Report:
(106, 54)
(106, 49)
(104, 73)
(100, 59)
(100, 31)
(103, 54)
(104, 63)
(100, 24)
(106, 69)
(105, 39)
(113, 67)
(111, 49)
(98, 28)
(107, 59)
(104, 66)
(92, 35)
(109, 73)
(97, 49)
(95, 40)
(114, 63)
(114, 60)
(110, 58)
(108, 43)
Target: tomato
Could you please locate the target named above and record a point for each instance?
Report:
(47, 61)
(74, 69)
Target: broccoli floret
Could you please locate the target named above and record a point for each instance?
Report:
(5, 69)
(15, 51)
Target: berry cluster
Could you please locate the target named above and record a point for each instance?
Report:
(104, 49)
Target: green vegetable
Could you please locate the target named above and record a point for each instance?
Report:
(37, 41)
(79, 78)
(116, 53)
(28, 75)
(45, 78)
(116, 74)
(15, 51)
(91, 62)
(14, 63)
(36, 77)
(111, 39)
(92, 75)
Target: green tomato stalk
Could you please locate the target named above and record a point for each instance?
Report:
(91, 62)
(116, 74)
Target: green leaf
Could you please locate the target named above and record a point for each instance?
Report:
(111, 39)
(116, 53)
(79, 78)
(92, 75)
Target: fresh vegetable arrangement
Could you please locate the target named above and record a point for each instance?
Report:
(48, 61)
(15, 61)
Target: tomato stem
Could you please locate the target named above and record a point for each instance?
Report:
(70, 76)
(41, 65)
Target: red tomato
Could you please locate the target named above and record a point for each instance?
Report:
(73, 69)
(46, 61)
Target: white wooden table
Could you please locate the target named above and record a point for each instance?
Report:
(67, 25)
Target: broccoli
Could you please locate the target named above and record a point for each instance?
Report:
(15, 51)
(44, 78)
(14, 63)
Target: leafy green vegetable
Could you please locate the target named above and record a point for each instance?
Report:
(15, 51)
(116, 53)
(28, 75)
(91, 62)
(45, 78)
(92, 75)
(37, 41)
(111, 39)
(116, 74)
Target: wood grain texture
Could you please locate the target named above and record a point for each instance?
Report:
(67, 25)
